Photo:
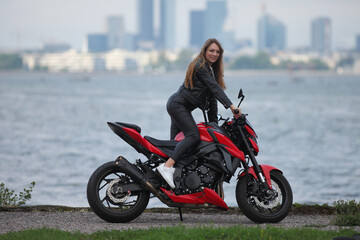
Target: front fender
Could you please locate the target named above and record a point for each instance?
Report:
(266, 169)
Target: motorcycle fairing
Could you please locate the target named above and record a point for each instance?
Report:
(206, 196)
(204, 134)
(252, 137)
(229, 145)
(250, 130)
(266, 169)
(214, 133)
(254, 146)
(131, 134)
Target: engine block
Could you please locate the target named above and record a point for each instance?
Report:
(194, 178)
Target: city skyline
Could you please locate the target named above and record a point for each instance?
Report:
(24, 25)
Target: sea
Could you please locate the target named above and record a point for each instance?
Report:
(53, 128)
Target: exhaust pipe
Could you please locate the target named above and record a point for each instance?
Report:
(139, 177)
(130, 170)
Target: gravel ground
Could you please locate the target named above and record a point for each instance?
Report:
(88, 222)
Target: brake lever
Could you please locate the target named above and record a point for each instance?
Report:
(225, 123)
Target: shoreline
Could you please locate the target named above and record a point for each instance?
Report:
(300, 209)
(82, 219)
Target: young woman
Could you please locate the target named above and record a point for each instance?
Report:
(204, 85)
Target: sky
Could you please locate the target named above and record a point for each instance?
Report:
(26, 24)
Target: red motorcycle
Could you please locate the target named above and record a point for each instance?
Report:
(119, 191)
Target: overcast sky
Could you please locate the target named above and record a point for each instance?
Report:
(32, 23)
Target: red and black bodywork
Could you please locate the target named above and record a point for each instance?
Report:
(119, 191)
(198, 177)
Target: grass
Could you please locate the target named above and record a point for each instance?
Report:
(324, 209)
(348, 213)
(183, 233)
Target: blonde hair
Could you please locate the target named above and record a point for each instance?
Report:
(217, 66)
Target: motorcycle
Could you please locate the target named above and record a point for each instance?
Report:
(119, 191)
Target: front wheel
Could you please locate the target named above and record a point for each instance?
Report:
(108, 201)
(262, 209)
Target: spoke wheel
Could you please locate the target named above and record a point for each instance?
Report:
(108, 201)
(262, 209)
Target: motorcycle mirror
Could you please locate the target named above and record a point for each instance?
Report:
(241, 96)
(240, 93)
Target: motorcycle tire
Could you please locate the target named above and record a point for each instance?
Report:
(106, 201)
(258, 209)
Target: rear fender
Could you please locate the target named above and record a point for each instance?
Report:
(133, 137)
(266, 169)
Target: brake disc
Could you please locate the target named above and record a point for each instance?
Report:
(272, 203)
(114, 192)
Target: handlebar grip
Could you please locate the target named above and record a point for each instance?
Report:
(236, 111)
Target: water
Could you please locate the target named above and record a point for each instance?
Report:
(54, 131)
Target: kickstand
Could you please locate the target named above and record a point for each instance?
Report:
(181, 218)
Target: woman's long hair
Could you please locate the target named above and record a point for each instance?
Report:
(217, 66)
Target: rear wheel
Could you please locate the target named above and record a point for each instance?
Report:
(108, 201)
(260, 208)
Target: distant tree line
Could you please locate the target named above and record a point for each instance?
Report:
(313, 64)
(262, 61)
(10, 61)
(181, 63)
(346, 62)
(257, 62)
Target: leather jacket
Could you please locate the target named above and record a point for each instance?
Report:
(206, 91)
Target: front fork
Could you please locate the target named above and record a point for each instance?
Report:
(263, 189)
(260, 173)
(264, 173)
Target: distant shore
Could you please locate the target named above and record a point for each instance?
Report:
(228, 72)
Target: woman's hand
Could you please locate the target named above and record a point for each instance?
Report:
(236, 111)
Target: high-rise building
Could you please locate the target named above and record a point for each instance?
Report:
(145, 36)
(116, 32)
(130, 41)
(215, 15)
(227, 37)
(271, 34)
(357, 44)
(167, 34)
(96, 42)
(321, 35)
(197, 32)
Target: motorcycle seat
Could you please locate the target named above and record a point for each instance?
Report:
(161, 143)
(129, 125)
